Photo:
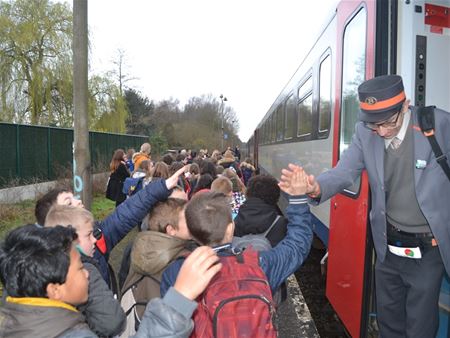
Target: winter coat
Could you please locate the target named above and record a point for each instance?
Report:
(247, 171)
(255, 216)
(125, 217)
(19, 318)
(138, 158)
(279, 262)
(152, 252)
(102, 311)
(41, 317)
(115, 184)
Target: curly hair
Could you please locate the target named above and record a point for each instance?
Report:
(264, 187)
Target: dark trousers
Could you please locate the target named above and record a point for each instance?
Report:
(407, 292)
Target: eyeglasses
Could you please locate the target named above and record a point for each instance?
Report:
(389, 124)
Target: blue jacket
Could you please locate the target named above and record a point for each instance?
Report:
(125, 217)
(282, 260)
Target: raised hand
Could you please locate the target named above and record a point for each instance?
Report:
(172, 181)
(294, 180)
(312, 186)
(196, 272)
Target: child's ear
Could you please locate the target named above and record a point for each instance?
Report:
(170, 230)
(54, 291)
(229, 232)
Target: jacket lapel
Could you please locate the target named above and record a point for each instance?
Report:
(378, 151)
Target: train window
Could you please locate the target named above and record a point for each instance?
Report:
(304, 125)
(325, 97)
(289, 120)
(280, 124)
(353, 73)
(305, 88)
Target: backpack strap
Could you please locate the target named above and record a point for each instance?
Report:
(426, 123)
(271, 226)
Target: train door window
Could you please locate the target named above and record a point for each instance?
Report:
(304, 121)
(280, 124)
(353, 73)
(325, 97)
(289, 118)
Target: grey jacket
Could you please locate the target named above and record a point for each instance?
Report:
(167, 317)
(102, 311)
(432, 186)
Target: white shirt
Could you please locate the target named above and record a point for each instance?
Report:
(402, 132)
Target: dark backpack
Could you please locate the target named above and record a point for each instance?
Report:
(132, 185)
(259, 242)
(237, 302)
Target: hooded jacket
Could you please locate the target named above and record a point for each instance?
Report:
(24, 318)
(255, 216)
(41, 317)
(124, 218)
(152, 252)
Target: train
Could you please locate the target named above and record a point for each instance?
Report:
(312, 120)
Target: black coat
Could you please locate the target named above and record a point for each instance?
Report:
(115, 184)
(255, 217)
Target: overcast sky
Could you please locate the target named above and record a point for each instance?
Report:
(246, 50)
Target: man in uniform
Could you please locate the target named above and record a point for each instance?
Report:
(410, 216)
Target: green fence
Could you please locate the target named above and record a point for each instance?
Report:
(35, 153)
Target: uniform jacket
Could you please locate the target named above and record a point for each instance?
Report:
(366, 151)
(255, 217)
(167, 317)
(126, 216)
(102, 311)
(282, 260)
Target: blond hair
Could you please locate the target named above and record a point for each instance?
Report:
(222, 184)
(67, 215)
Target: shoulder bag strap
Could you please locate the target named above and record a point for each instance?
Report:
(426, 123)
(272, 225)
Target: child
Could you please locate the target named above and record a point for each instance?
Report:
(152, 252)
(208, 217)
(117, 225)
(102, 311)
(43, 275)
(261, 209)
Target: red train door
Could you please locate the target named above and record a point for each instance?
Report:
(349, 210)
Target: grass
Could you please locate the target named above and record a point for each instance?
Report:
(15, 215)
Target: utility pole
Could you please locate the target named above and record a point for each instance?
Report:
(82, 181)
(223, 99)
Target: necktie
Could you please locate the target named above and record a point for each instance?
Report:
(395, 143)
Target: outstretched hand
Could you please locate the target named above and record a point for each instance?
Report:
(172, 181)
(197, 271)
(295, 181)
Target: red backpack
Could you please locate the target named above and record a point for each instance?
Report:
(237, 302)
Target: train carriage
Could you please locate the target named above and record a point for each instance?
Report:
(312, 122)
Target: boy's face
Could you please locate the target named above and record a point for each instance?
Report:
(75, 290)
(67, 198)
(85, 232)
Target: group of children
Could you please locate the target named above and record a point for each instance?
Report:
(185, 276)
